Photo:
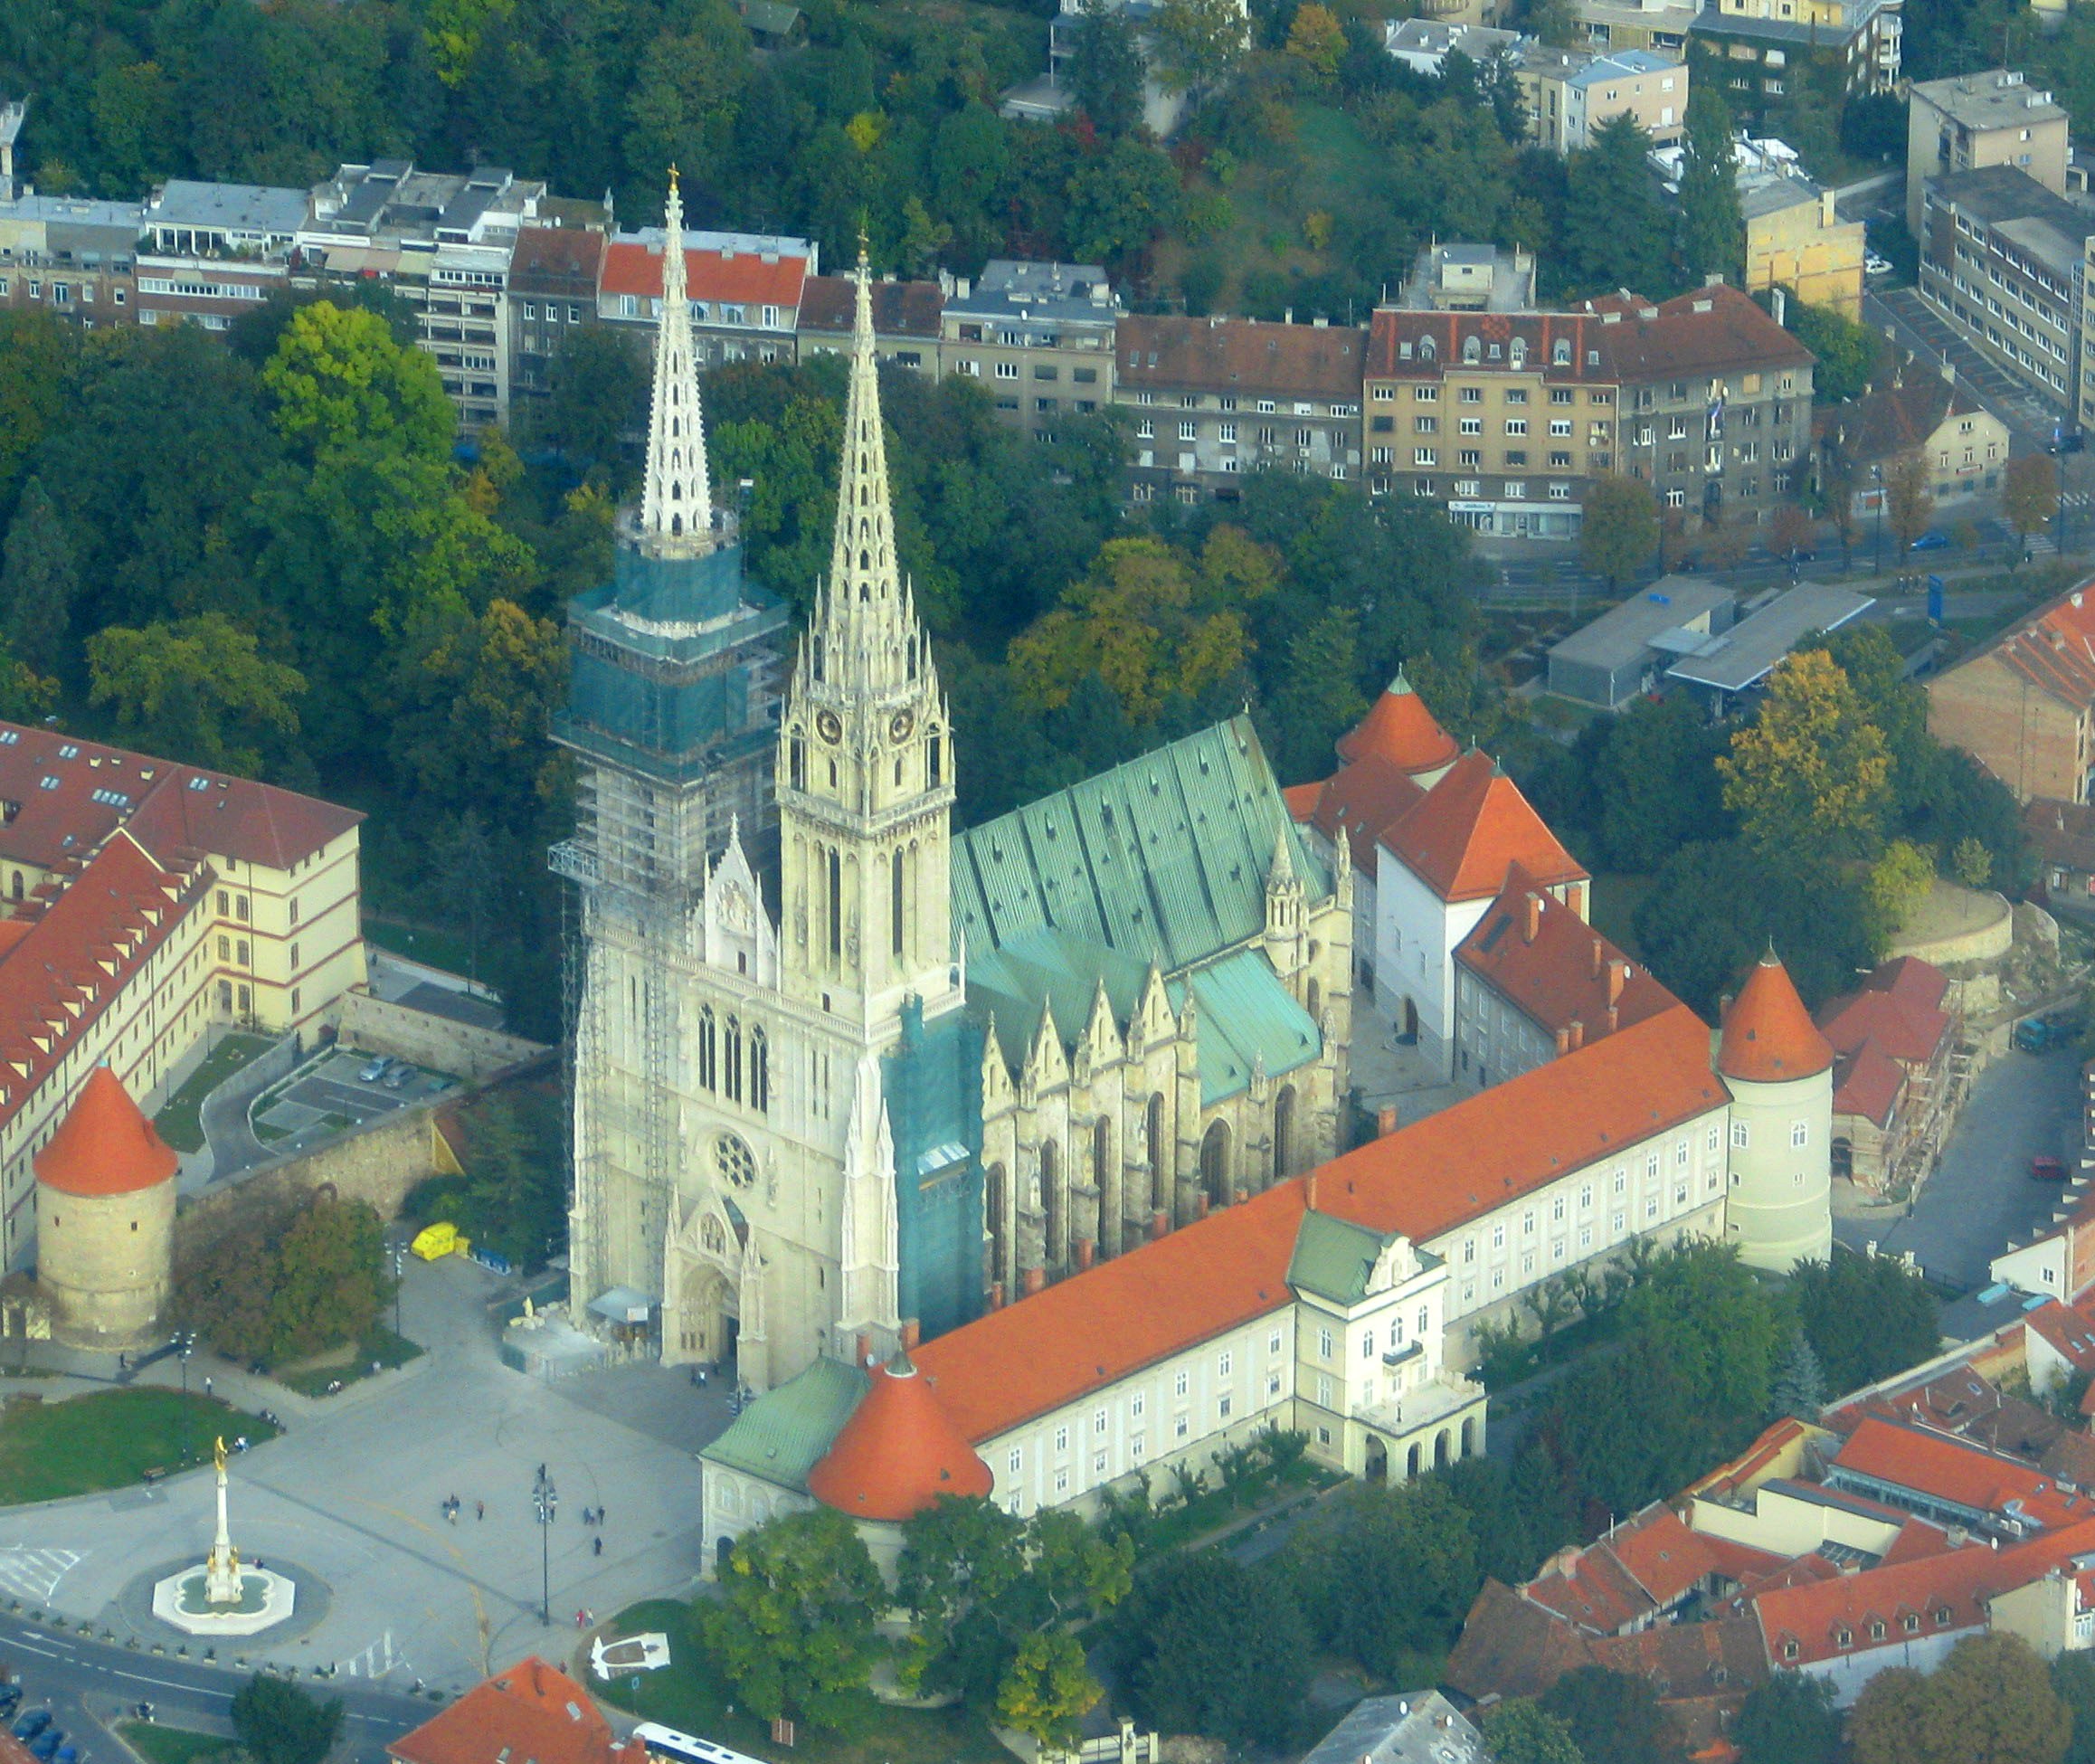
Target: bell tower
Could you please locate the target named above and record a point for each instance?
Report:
(865, 761)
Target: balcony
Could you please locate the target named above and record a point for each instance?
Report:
(1446, 1397)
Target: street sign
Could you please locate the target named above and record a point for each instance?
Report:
(1935, 600)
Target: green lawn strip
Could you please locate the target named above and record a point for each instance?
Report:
(109, 1439)
(381, 1345)
(688, 1695)
(180, 1120)
(419, 943)
(171, 1745)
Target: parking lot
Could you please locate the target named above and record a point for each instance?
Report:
(334, 1095)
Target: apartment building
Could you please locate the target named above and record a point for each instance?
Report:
(1038, 336)
(68, 256)
(1423, 44)
(2023, 705)
(2001, 259)
(1458, 277)
(1716, 401)
(905, 317)
(1761, 48)
(1572, 94)
(744, 290)
(554, 274)
(1212, 398)
(443, 240)
(1979, 119)
(1661, 26)
(209, 252)
(1501, 417)
(1796, 239)
(1966, 446)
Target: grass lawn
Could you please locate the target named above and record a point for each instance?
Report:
(1612, 908)
(171, 1745)
(178, 1119)
(381, 1345)
(686, 1694)
(420, 942)
(109, 1439)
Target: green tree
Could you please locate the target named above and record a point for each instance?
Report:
(1216, 1649)
(279, 1723)
(38, 584)
(1799, 1389)
(2029, 496)
(1848, 353)
(517, 1175)
(1615, 228)
(1317, 40)
(1971, 863)
(1046, 1689)
(1899, 882)
(1319, 695)
(1385, 1574)
(687, 97)
(1518, 1733)
(1618, 533)
(1712, 229)
(1810, 773)
(330, 1282)
(598, 396)
(1789, 1719)
(2073, 1680)
(1990, 1703)
(1121, 199)
(1105, 68)
(36, 356)
(1613, 1716)
(1909, 503)
(340, 380)
(793, 1628)
(199, 689)
(465, 870)
(1867, 1317)
(1198, 41)
(1655, 782)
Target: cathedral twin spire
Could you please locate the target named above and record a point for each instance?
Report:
(677, 499)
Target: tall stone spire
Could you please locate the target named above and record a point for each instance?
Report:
(866, 616)
(676, 500)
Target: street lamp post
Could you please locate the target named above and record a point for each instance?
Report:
(545, 1497)
(1877, 563)
(399, 1281)
(183, 1357)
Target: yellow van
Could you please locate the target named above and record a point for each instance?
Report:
(435, 1241)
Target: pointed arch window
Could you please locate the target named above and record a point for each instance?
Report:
(759, 1070)
(713, 1236)
(895, 902)
(707, 1049)
(730, 1061)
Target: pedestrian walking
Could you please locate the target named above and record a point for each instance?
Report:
(479, 1509)
(207, 1384)
(598, 1550)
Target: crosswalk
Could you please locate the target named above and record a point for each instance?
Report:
(374, 1662)
(33, 1574)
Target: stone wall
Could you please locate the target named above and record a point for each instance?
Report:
(379, 1026)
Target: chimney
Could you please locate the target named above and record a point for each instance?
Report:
(1563, 1041)
(1160, 1224)
(1034, 1279)
(1308, 1191)
(1531, 913)
(912, 1333)
(1598, 947)
(1617, 977)
(1949, 371)
(1385, 1121)
(1614, 1018)
(1781, 300)
(1287, 315)
(1577, 1034)
(996, 1294)
(1200, 1204)
(1085, 1251)
(864, 1349)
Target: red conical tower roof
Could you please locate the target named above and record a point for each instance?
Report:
(1768, 1035)
(899, 1453)
(105, 1146)
(1399, 728)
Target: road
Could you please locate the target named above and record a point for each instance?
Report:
(1981, 1195)
(87, 1686)
(1913, 324)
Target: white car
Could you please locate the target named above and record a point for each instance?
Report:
(1873, 265)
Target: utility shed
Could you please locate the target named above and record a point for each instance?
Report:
(1739, 660)
(1622, 653)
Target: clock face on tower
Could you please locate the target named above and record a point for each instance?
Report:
(829, 726)
(900, 724)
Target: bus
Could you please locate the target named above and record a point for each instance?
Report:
(665, 1742)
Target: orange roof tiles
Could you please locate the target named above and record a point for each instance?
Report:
(1867, 1083)
(1899, 1007)
(104, 1145)
(900, 308)
(1555, 969)
(1302, 801)
(899, 1453)
(1407, 345)
(1768, 1035)
(532, 1711)
(774, 278)
(1712, 329)
(1645, 1565)
(1399, 728)
(1958, 1473)
(1241, 355)
(1462, 1162)
(66, 796)
(1086, 1332)
(1473, 826)
(2054, 652)
(1367, 799)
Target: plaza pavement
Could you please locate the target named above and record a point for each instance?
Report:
(352, 1493)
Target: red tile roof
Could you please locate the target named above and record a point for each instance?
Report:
(1867, 1083)
(2054, 650)
(1301, 799)
(631, 266)
(1555, 969)
(1645, 1565)
(556, 259)
(1961, 1474)
(533, 1711)
(1899, 1007)
(1399, 728)
(1089, 1330)
(1367, 798)
(1707, 330)
(1768, 1035)
(899, 1453)
(2068, 1330)
(104, 1145)
(1462, 1162)
(1422, 345)
(829, 304)
(65, 796)
(1242, 355)
(1472, 828)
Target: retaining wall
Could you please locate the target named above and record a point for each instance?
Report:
(378, 1026)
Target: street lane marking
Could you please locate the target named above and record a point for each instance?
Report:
(31, 1573)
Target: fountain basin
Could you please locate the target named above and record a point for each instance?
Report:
(181, 1599)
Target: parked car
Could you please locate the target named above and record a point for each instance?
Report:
(375, 1071)
(1874, 265)
(1932, 540)
(68, 1753)
(2048, 1169)
(46, 1744)
(400, 1074)
(32, 1724)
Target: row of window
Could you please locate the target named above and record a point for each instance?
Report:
(1559, 396)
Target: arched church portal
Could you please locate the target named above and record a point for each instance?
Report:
(1214, 1162)
(708, 1324)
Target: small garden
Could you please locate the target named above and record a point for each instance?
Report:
(180, 1121)
(50, 1451)
(172, 1745)
(377, 1350)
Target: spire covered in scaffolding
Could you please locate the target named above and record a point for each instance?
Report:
(865, 618)
(677, 499)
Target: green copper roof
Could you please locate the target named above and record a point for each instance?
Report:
(1333, 1259)
(1163, 859)
(783, 1434)
(1246, 1015)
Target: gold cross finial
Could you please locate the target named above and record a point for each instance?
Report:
(672, 177)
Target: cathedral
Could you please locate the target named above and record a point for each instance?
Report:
(845, 1078)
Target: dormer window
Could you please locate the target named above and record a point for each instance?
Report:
(1560, 356)
(1469, 349)
(1844, 1637)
